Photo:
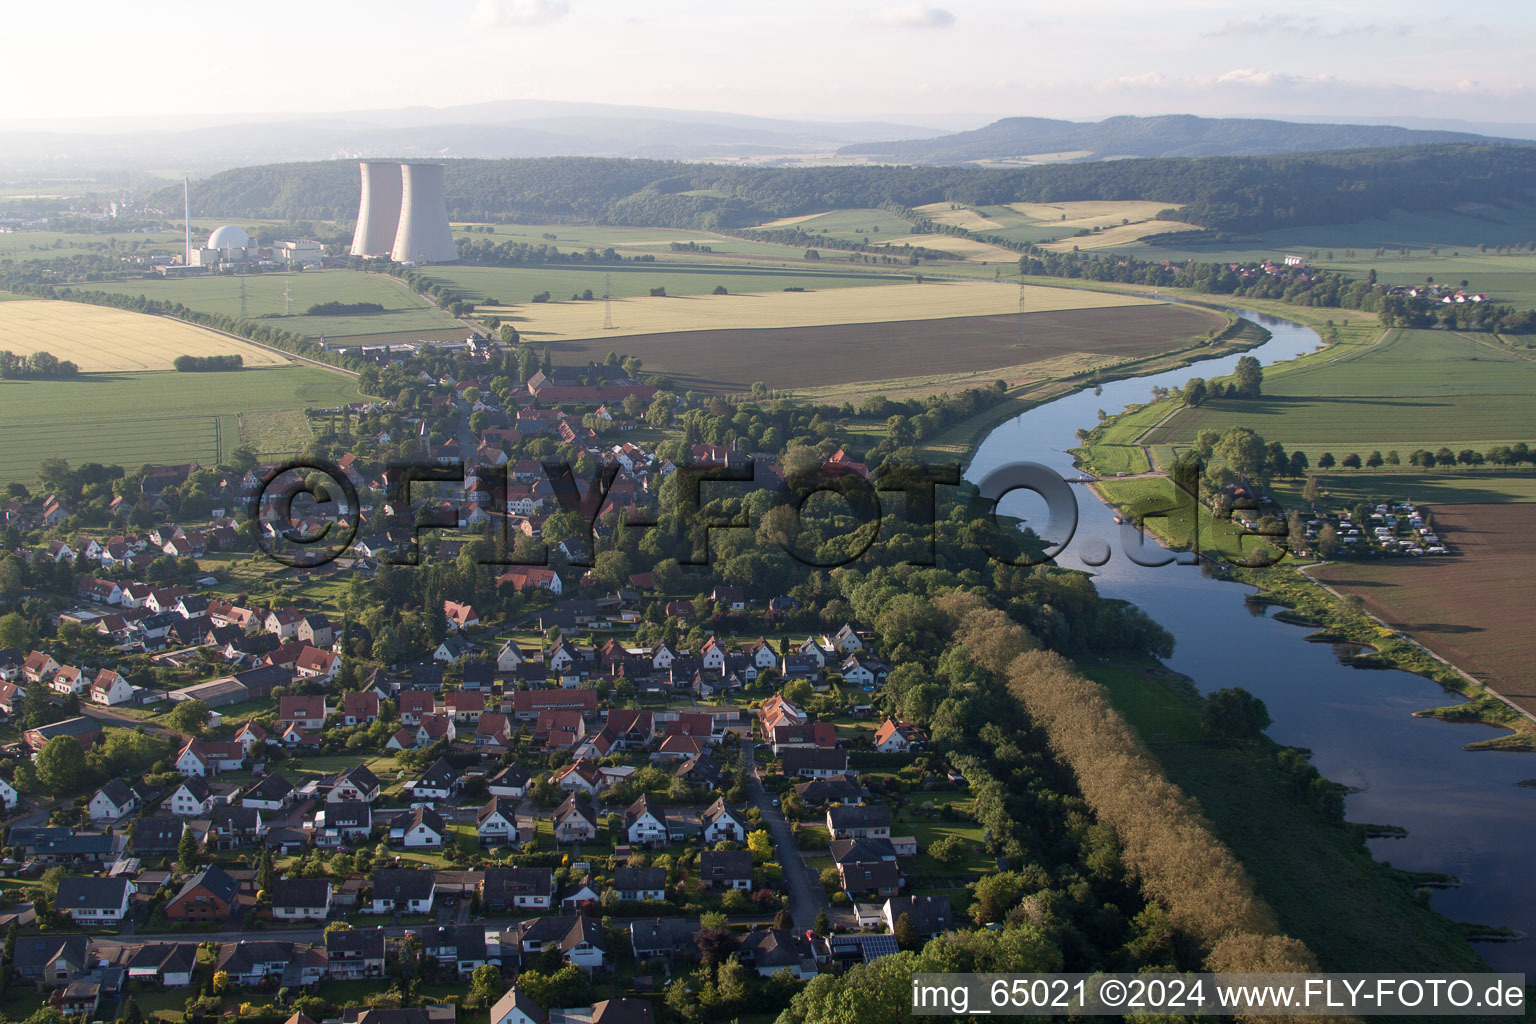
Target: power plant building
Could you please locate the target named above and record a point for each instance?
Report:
(403, 214)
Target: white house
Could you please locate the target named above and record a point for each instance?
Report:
(301, 899)
(507, 659)
(8, 795)
(114, 800)
(516, 1008)
(721, 823)
(110, 689)
(496, 822)
(94, 900)
(418, 829)
(645, 823)
(191, 799)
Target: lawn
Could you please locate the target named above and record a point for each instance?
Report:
(634, 280)
(132, 419)
(100, 338)
(1355, 914)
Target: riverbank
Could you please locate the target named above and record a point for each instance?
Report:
(1311, 867)
(1246, 558)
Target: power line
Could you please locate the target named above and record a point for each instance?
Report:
(607, 302)
(242, 298)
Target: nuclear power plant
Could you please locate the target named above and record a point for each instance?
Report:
(403, 215)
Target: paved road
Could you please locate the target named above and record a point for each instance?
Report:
(102, 714)
(806, 895)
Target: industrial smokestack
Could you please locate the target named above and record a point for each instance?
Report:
(379, 213)
(423, 234)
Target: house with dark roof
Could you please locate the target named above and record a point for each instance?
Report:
(355, 953)
(862, 821)
(725, 869)
(930, 915)
(406, 890)
(504, 889)
(53, 960)
(210, 895)
(637, 884)
(814, 763)
(575, 820)
(301, 899)
(93, 900)
(578, 937)
(771, 950)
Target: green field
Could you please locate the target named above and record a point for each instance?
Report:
(1453, 486)
(131, 419)
(629, 241)
(404, 310)
(1414, 389)
(521, 284)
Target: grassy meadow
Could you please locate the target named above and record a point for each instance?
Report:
(1413, 389)
(404, 310)
(131, 419)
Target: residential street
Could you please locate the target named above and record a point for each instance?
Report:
(806, 895)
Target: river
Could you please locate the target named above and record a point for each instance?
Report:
(1463, 813)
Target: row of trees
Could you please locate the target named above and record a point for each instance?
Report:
(208, 364)
(35, 366)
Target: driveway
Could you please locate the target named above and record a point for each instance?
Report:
(806, 895)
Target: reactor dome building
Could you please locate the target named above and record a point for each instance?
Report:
(403, 215)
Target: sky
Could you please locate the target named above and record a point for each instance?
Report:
(949, 63)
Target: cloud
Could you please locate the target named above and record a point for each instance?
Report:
(1304, 27)
(519, 13)
(913, 15)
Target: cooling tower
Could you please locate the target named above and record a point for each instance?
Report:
(378, 215)
(424, 234)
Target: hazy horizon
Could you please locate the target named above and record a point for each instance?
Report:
(949, 65)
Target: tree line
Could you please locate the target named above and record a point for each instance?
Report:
(1234, 194)
(35, 366)
(207, 364)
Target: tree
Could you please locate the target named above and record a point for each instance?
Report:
(485, 985)
(1194, 391)
(189, 717)
(1374, 460)
(1326, 461)
(1250, 378)
(61, 766)
(821, 925)
(1234, 713)
(1352, 461)
(906, 932)
(14, 630)
(1328, 541)
(948, 851)
(1244, 451)
(1299, 463)
(1311, 490)
(761, 845)
(131, 1014)
(186, 851)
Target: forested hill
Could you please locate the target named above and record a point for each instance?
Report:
(1235, 194)
(1171, 135)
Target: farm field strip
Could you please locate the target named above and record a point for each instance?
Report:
(566, 321)
(512, 285)
(836, 354)
(100, 338)
(1472, 609)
